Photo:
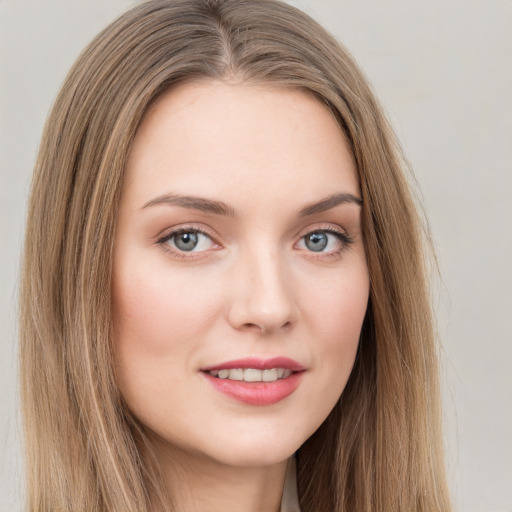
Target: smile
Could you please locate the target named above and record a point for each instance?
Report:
(252, 374)
(253, 381)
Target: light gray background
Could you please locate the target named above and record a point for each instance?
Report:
(442, 70)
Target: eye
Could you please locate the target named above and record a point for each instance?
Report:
(324, 241)
(188, 240)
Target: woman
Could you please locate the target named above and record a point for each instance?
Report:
(223, 267)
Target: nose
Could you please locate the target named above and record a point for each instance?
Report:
(262, 298)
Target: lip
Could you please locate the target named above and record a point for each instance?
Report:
(258, 364)
(257, 393)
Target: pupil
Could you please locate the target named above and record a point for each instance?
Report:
(316, 242)
(186, 241)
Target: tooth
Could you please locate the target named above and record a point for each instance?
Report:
(252, 375)
(269, 375)
(236, 374)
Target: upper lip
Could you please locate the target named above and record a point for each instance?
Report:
(258, 364)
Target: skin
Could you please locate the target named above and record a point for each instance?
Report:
(252, 287)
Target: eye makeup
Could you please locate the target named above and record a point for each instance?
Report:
(188, 242)
(193, 242)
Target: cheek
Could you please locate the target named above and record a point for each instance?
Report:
(336, 306)
(156, 310)
(159, 326)
(348, 309)
(336, 315)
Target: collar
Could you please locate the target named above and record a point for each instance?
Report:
(290, 498)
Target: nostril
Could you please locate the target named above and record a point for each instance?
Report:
(264, 328)
(252, 326)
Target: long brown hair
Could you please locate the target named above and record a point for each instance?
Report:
(380, 449)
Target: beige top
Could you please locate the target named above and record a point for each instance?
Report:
(290, 499)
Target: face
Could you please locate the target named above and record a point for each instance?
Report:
(240, 281)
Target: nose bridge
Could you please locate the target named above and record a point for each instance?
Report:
(263, 295)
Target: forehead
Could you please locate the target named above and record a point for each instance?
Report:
(221, 137)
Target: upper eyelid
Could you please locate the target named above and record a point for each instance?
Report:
(168, 233)
(322, 226)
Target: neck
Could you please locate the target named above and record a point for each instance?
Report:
(197, 483)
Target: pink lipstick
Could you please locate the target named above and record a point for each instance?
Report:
(256, 381)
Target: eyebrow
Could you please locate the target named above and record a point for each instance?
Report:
(328, 203)
(194, 203)
(221, 208)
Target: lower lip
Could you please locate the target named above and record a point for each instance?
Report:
(256, 393)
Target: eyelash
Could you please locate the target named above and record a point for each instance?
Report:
(162, 241)
(344, 239)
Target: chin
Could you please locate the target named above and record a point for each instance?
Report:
(255, 456)
(257, 448)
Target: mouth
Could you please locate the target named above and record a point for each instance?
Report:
(251, 374)
(256, 381)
